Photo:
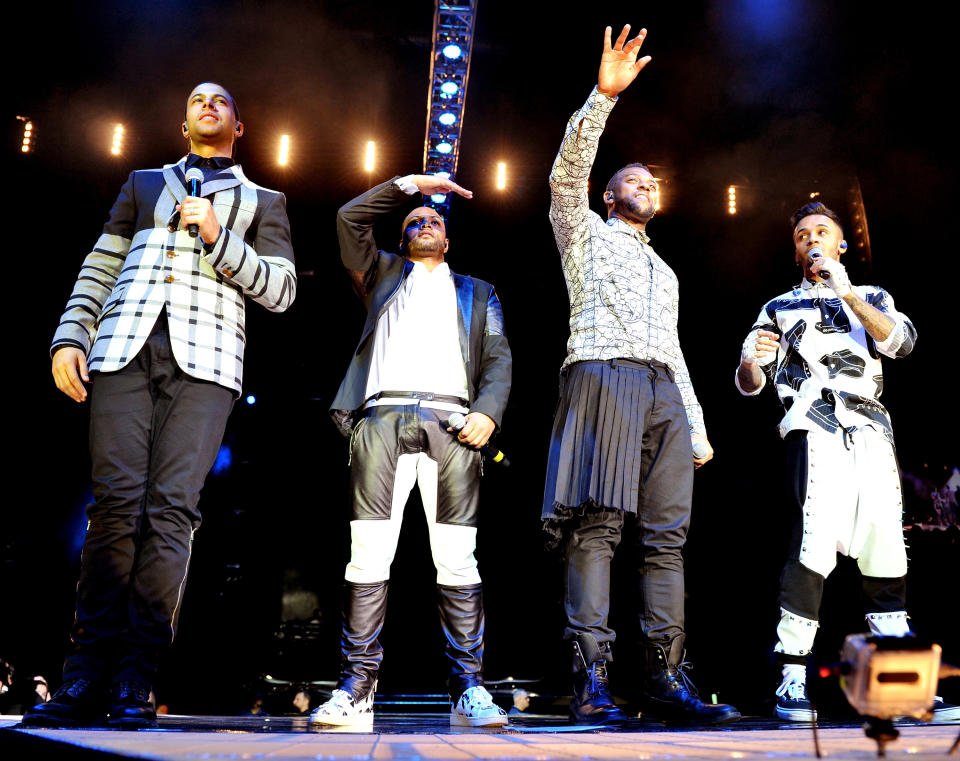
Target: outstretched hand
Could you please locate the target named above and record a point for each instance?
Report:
(428, 184)
(619, 65)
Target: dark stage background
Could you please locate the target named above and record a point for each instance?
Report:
(782, 98)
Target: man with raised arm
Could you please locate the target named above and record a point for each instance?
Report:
(155, 325)
(432, 345)
(820, 344)
(622, 451)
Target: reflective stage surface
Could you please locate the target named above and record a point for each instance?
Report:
(429, 736)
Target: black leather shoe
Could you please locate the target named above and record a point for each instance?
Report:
(668, 692)
(130, 706)
(78, 702)
(592, 702)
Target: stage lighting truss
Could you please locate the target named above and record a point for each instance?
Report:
(453, 22)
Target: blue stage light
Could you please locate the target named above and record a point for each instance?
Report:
(449, 88)
(445, 175)
(452, 51)
(251, 399)
(447, 118)
(438, 197)
(444, 147)
(224, 460)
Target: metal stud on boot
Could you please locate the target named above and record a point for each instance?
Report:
(592, 702)
(669, 693)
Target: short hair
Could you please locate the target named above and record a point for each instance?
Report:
(814, 208)
(233, 101)
(624, 168)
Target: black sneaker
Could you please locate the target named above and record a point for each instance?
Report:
(77, 703)
(130, 706)
(943, 711)
(792, 702)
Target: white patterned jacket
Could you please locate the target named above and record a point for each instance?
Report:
(142, 264)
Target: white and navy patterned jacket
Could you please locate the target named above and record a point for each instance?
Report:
(624, 299)
(827, 371)
(139, 267)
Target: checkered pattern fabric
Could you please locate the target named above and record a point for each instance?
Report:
(142, 264)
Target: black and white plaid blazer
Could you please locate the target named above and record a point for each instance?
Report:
(142, 264)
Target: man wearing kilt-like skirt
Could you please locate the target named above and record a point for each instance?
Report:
(628, 431)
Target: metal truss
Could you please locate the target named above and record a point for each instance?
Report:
(453, 22)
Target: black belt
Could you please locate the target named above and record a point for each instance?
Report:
(427, 396)
(647, 364)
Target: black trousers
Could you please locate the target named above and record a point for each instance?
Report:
(154, 435)
(649, 407)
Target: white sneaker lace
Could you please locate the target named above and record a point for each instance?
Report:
(794, 687)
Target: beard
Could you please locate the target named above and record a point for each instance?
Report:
(424, 246)
(634, 209)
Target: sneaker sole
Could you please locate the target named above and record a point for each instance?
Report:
(456, 720)
(947, 714)
(795, 714)
(342, 721)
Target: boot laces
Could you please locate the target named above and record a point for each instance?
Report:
(597, 676)
(682, 668)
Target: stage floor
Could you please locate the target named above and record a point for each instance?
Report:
(429, 736)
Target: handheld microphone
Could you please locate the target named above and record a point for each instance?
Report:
(456, 421)
(814, 254)
(700, 450)
(194, 179)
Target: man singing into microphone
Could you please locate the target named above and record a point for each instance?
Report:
(155, 325)
(432, 345)
(820, 345)
(622, 453)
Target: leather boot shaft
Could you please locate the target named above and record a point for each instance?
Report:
(364, 611)
(461, 617)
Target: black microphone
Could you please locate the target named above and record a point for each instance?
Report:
(814, 254)
(456, 421)
(194, 181)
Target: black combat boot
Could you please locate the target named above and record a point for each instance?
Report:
(668, 692)
(79, 702)
(592, 702)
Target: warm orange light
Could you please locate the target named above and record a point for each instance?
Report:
(501, 175)
(117, 146)
(284, 152)
(369, 157)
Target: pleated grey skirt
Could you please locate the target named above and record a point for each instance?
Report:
(595, 458)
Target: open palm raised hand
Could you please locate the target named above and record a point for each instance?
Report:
(619, 65)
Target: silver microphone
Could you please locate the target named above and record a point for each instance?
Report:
(814, 254)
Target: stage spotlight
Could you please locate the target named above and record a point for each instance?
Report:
(732, 200)
(452, 51)
(224, 460)
(444, 147)
(26, 144)
(284, 152)
(447, 118)
(251, 399)
(449, 89)
(117, 146)
(438, 197)
(369, 156)
(501, 175)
